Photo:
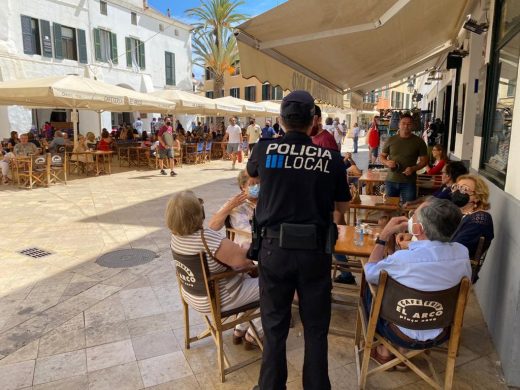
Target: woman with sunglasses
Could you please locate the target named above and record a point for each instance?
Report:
(471, 194)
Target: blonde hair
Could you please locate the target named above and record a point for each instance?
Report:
(91, 136)
(242, 178)
(481, 190)
(184, 214)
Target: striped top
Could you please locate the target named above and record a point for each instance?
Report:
(192, 245)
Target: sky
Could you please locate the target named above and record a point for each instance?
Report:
(177, 7)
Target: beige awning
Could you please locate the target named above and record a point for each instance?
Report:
(330, 46)
(247, 107)
(78, 92)
(271, 107)
(190, 103)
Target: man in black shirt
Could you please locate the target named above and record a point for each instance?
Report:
(302, 186)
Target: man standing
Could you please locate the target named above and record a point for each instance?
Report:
(355, 132)
(322, 137)
(165, 137)
(302, 185)
(234, 138)
(253, 133)
(268, 131)
(153, 126)
(401, 153)
(138, 125)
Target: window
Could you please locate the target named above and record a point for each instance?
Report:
(135, 53)
(169, 67)
(103, 7)
(133, 18)
(271, 93)
(69, 43)
(105, 46)
(209, 75)
(31, 35)
(501, 91)
(209, 94)
(266, 92)
(407, 101)
(276, 93)
(250, 93)
(235, 92)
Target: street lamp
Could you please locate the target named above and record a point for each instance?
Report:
(410, 86)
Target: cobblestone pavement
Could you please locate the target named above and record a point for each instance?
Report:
(68, 323)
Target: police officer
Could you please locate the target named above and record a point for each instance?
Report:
(301, 186)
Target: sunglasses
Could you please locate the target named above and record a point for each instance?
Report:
(462, 188)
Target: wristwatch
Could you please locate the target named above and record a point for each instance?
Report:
(380, 242)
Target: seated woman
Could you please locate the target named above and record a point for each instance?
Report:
(471, 194)
(91, 141)
(185, 218)
(105, 144)
(81, 147)
(239, 209)
(439, 155)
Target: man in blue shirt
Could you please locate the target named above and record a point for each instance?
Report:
(268, 131)
(432, 263)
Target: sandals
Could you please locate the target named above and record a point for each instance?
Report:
(380, 359)
(250, 343)
(238, 335)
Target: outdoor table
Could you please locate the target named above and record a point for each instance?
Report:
(84, 158)
(374, 202)
(345, 246)
(371, 178)
(136, 156)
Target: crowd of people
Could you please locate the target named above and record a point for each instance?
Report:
(430, 249)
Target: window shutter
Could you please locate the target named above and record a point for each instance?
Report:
(128, 52)
(58, 50)
(253, 94)
(27, 37)
(172, 72)
(45, 33)
(82, 46)
(142, 63)
(168, 68)
(113, 44)
(97, 44)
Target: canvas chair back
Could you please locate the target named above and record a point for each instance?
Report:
(190, 273)
(418, 310)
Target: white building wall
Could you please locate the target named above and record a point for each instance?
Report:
(86, 15)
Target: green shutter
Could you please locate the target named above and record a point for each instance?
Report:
(97, 44)
(113, 44)
(45, 32)
(58, 50)
(173, 68)
(142, 63)
(167, 68)
(27, 36)
(128, 52)
(82, 46)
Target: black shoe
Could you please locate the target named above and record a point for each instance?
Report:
(163, 172)
(345, 279)
(173, 174)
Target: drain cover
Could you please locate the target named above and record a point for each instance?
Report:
(35, 253)
(126, 258)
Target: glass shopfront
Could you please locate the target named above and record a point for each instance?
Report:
(502, 90)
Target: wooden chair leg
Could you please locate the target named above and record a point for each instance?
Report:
(220, 353)
(186, 326)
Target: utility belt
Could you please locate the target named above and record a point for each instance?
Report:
(294, 236)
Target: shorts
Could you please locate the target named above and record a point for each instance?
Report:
(232, 148)
(374, 151)
(166, 153)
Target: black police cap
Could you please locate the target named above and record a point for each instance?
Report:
(297, 105)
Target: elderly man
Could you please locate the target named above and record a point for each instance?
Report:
(21, 149)
(432, 263)
(58, 141)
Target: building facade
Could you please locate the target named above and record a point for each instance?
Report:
(476, 97)
(121, 42)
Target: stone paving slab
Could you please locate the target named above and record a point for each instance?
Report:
(68, 323)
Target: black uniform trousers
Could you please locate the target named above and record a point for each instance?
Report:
(282, 272)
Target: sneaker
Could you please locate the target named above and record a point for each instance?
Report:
(173, 174)
(345, 279)
(163, 172)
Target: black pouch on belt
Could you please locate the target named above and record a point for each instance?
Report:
(298, 236)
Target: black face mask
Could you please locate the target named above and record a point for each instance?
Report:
(459, 198)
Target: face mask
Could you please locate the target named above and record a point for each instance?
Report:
(410, 229)
(253, 191)
(459, 198)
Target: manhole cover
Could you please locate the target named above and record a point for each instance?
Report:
(35, 253)
(126, 258)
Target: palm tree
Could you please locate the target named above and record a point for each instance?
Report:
(214, 44)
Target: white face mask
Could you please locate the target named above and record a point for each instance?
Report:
(410, 228)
